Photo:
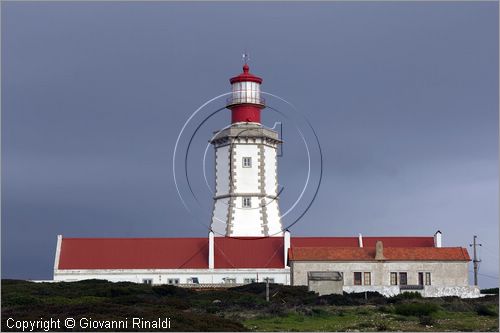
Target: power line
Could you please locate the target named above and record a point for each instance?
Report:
(485, 275)
(491, 252)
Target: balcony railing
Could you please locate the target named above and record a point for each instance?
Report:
(411, 287)
(245, 100)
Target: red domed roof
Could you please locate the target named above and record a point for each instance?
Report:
(245, 76)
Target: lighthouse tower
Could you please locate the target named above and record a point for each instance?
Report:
(246, 167)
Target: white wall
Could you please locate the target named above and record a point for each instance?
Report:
(247, 221)
(161, 276)
(246, 180)
(271, 170)
(222, 170)
(219, 216)
(263, 218)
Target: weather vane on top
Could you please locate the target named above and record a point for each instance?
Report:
(245, 57)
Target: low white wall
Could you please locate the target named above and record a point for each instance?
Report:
(205, 276)
(463, 292)
(387, 291)
(427, 291)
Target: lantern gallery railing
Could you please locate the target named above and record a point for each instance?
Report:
(245, 100)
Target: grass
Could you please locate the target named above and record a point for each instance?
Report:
(373, 321)
(244, 308)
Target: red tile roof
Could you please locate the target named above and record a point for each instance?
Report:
(249, 252)
(367, 241)
(133, 253)
(192, 253)
(169, 253)
(368, 254)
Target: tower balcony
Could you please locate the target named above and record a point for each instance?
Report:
(242, 99)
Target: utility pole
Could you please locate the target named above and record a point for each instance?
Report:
(267, 290)
(476, 261)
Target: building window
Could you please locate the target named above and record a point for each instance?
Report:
(173, 281)
(247, 203)
(357, 278)
(230, 280)
(420, 278)
(367, 278)
(193, 280)
(403, 278)
(394, 278)
(427, 278)
(247, 162)
(147, 281)
(270, 280)
(249, 280)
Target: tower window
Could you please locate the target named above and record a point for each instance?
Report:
(247, 203)
(247, 162)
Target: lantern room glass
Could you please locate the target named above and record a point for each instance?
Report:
(245, 92)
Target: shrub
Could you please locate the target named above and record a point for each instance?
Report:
(371, 297)
(484, 310)
(457, 305)
(416, 309)
(490, 291)
(319, 312)
(426, 320)
(169, 290)
(382, 327)
(363, 311)
(386, 309)
(404, 296)
(276, 309)
(22, 300)
(335, 299)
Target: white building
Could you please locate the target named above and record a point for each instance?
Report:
(247, 242)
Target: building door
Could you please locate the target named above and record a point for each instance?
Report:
(420, 278)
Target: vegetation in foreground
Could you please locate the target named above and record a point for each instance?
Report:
(244, 308)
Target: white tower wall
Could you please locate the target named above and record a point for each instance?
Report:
(245, 202)
(246, 178)
(222, 170)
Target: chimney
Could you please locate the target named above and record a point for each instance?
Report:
(286, 245)
(379, 251)
(360, 240)
(211, 245)
(437, 239)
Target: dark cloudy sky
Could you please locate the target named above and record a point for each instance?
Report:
(403, 98)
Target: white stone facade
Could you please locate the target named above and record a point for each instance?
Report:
(180, 276)
(447, 278)
(443, 273)
(246, 182)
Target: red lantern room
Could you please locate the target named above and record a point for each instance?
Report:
(245, 102)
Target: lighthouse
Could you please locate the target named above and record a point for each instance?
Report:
(246, 202)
